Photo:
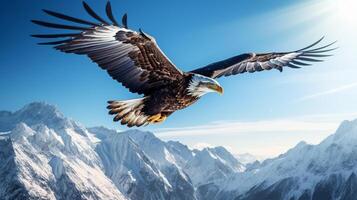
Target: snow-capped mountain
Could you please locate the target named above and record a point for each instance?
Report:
(246, 158)
(324, 171)
(211, 165)
(168, 162)
(44, 155)
(130, 169)
(135, 171)
(197, 166)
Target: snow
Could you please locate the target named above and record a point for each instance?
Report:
(5, 133)
(127, 165)
(130, 173)
(73, 160)
(309, 163)
(211, 165)
(52, 157)
(56, 164)
(246, 158)
(169, 157)
(46, 155)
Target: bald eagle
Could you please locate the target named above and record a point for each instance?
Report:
(135, 60)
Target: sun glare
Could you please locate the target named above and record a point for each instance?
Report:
(346, 11)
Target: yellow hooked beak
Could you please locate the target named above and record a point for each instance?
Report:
(217, 88)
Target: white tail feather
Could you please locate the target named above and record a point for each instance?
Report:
(128, 111)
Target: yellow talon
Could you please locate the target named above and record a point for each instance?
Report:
(154, 118)
(161, 119)
(157, 118)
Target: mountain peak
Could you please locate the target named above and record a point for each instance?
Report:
(219, 149)
(33, 114)
(346, 132)
(346, 126)
(301, 144)
(40, 110)
(139, 133)
(246, 158)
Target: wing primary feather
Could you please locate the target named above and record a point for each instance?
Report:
(56, 35)
(308, 59)
(125, 20)
(60, 26)
(300, 63)
(55, 42)
(293, 66)
(68, 18)
(323, 47)
(315, 55)
(93, 14)
(322, 51)
(315, 43)
(144, 34)
(110, 15)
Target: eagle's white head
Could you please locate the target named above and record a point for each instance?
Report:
(200, 85)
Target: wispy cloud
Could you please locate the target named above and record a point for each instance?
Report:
(272, 126)
(318, 123)
(266, 138)
(328, 92)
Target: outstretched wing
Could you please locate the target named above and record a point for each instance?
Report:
(132, 58)
(258, 62)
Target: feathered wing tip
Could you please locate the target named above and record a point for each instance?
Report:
(69, 18)
(68, 36)
(144, 34)
(59, 26)
(93, 14)
(129, 112)
(124, 20)
(110, 15)
(55, 42)
(56, 35)
(313, 44)
(311, 53)
(316, 51)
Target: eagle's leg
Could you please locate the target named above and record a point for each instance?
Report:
(157, 118)
(161, 119)
(154, 118)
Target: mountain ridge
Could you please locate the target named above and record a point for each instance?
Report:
(46, 155)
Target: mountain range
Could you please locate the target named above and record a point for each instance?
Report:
(45, 155)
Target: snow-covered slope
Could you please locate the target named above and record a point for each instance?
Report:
(196, 166)
(211, 165)
(324, 171)
(44, 155)
(38, 162)
(131, 170)
(169, 162)
(246, 158)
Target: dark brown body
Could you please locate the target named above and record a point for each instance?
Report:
(168, 99)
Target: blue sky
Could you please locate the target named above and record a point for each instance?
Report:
(266, 112)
